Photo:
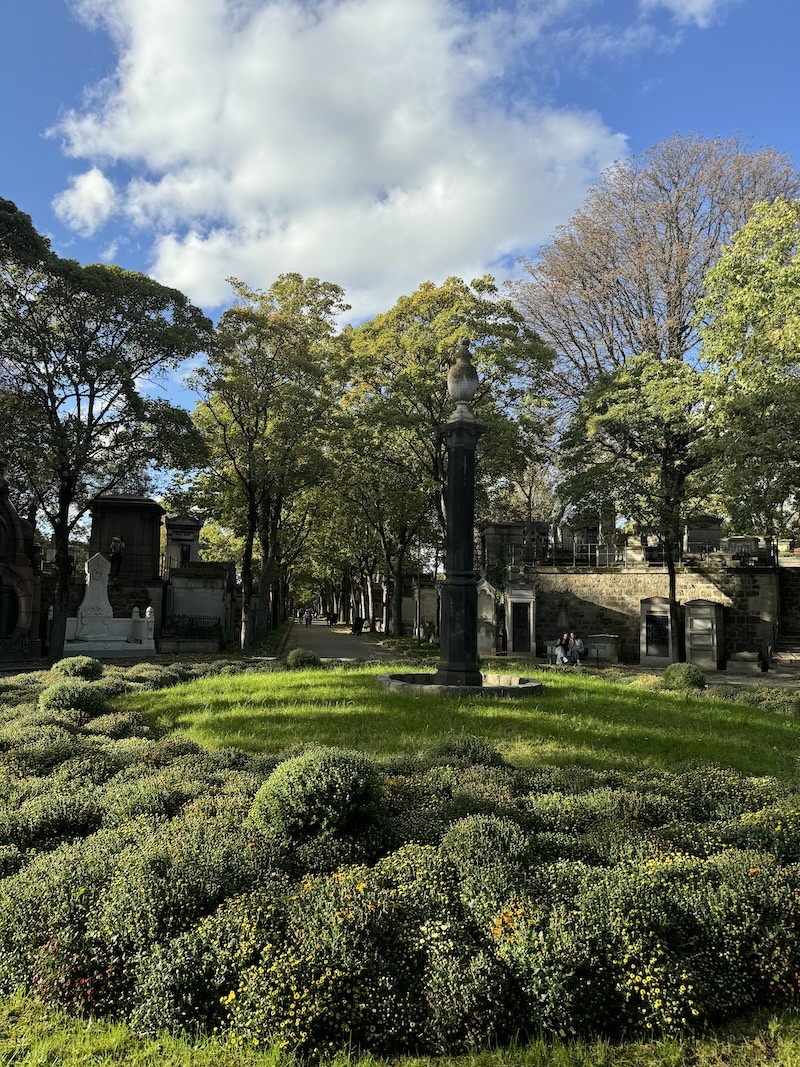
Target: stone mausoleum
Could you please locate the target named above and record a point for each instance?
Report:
(20, 584)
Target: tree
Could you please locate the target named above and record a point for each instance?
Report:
(640, 435)
(77, 344)
(625, 275)
(267, 401)
(398, 374)
(750, 325)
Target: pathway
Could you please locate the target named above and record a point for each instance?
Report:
(329, 643)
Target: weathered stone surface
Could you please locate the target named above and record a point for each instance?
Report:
(609, 601)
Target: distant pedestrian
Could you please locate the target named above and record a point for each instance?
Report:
(308, 616)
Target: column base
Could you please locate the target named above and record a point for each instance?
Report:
(450, 675)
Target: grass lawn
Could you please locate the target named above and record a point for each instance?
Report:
(37, 1037)
(577, 718)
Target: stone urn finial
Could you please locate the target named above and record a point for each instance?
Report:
(462, 382)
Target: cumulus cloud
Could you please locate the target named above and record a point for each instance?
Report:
(372, 144)
(700, 12)
(88, 203)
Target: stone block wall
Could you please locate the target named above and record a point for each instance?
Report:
(603, 601)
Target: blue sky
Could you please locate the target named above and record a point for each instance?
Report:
(374, 143)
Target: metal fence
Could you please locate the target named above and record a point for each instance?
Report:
(192, 626)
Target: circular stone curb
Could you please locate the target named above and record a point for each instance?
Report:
(494, 685)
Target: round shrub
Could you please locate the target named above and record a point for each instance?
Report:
(323, 791)
(300, 658)
(154, 676)
(480, 840)
(36, 750)
(684, 676)
(465, 749)
(79, 667)
(120, 724)
(78, 695)
(114, 685)
(171, 877)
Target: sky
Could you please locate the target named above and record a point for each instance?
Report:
(373, 143)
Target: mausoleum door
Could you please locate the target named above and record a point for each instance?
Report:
(9, 611)
(521, 627)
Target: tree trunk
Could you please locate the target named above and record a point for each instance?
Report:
(674, 606)
(397, 594)
(370, 602)
(63, 568)
(245, 635)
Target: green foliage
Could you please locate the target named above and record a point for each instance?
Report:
(322, 793)
(185, 983)
(465, 749)
(430, 904)
(155, 676)
(119, 724)
(76, 695)
(79, 667)
(300, 658)
(684, 676)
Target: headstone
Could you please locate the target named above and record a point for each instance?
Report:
(95, 615)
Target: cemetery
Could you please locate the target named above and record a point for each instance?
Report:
(450, 842)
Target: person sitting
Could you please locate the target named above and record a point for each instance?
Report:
(562, 650)
(576, 649)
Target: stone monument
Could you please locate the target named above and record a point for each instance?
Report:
(95, 632)
(95, 615)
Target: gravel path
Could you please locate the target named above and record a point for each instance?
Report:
(329, 643)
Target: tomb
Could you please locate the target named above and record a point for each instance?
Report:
(20, 583)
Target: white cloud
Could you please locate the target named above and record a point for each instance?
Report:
(376, 144)
(88, 203)
(701, 12)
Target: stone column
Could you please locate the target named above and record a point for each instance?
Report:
(458, 662)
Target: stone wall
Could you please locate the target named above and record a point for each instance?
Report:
(602, 601)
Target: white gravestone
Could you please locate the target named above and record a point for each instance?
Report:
(95, 615)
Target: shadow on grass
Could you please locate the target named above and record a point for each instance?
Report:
(576, 720)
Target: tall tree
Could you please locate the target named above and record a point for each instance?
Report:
(750, 324)
(267, 400)
(398, 375)
(640, 437)
(77, 344)
(624, 276)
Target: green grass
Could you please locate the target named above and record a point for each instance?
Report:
(577, 718)
(35, 1036)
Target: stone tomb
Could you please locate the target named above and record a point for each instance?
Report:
(20, 583)
(95, 632)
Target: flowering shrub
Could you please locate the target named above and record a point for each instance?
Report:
(186, 983)
(425, 905)
(120, 724)
(79, 667)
